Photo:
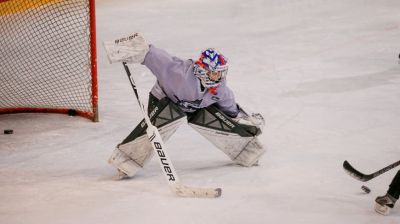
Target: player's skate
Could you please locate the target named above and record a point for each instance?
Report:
(384, 204)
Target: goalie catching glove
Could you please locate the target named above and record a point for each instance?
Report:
(130, 49)
(254, 119)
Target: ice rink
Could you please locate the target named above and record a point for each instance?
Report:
(324, 74)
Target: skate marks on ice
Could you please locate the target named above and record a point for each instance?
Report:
(346, 84)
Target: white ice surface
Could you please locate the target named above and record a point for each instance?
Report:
(324, 74)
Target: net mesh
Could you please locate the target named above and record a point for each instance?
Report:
(46, 55)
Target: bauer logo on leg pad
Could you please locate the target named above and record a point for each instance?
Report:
(225, 120)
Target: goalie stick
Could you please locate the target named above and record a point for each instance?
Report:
(166, 165)
(366, 177)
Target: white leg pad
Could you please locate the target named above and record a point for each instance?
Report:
(250, 155)
(245, 151)
(123, 163)
(130, 157)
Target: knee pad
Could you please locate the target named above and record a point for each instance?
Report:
(162, 113)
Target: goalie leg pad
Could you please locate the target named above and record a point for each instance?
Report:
(130, 157)
(250, 155)
(238, 141)
(125, 165)
(135, 150)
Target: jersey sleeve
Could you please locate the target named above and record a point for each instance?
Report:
(227, 103)
(162, 64)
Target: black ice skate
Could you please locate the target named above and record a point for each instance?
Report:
(384, 204)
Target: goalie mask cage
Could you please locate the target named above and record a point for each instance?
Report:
(48, 57)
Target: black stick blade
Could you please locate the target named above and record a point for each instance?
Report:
(366, 177)
(355, 173)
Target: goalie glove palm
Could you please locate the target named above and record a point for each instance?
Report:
(131, 49)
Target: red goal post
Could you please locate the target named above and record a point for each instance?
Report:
(48, 57)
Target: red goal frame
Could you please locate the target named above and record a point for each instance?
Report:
(93, 115)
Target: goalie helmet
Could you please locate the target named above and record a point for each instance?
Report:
(211, 68)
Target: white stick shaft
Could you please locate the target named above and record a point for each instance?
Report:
(159, 148)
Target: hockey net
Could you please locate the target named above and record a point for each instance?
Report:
(48, 57)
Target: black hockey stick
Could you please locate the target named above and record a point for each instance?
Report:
(166, 165)
(366, 177)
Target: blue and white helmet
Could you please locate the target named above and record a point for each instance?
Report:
(209, 61)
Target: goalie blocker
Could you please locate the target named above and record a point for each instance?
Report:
(237, 137)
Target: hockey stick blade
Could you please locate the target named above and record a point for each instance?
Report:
(170, 173)
(196, 192)
(366, 177)
(355, 173)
